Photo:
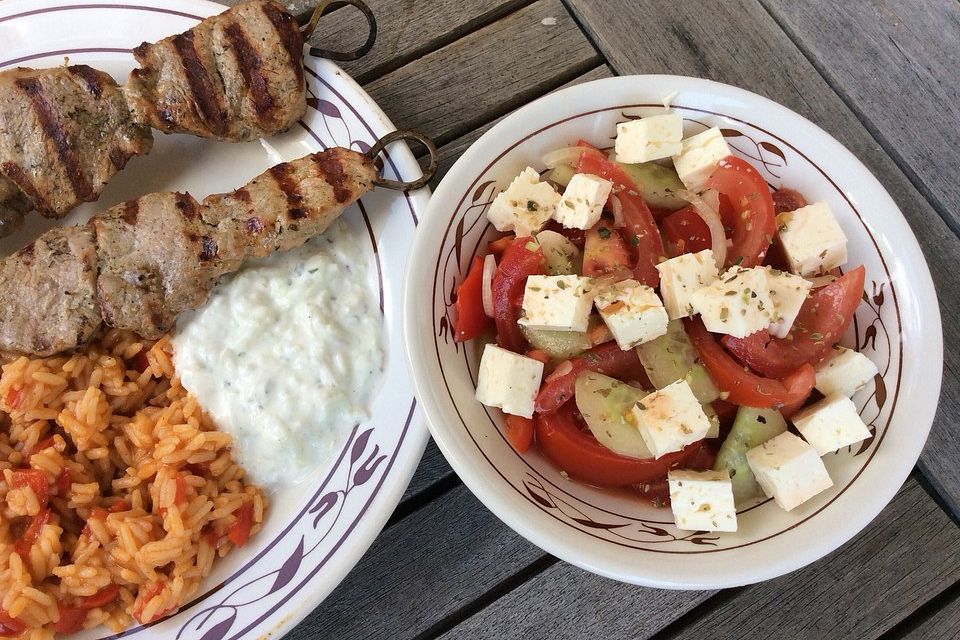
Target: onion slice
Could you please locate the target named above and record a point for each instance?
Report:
(566, 155)
(616, 208)
(486, 290)
(707, 207)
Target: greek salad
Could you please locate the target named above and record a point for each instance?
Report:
(653, 316)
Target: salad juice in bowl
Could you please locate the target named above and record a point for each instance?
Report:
(672, 332)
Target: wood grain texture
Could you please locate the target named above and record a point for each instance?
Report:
(904, 558)
(452, 151)
(486, 73)
(565, 601)
(942, 625)
(420, 570)
(406, 30)
(896, 64)
(432, 469)
(697, 38)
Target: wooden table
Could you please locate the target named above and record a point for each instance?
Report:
(883, 77)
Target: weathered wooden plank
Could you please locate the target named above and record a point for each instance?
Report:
(486, 73)
(432, 469)
(406, 30)
(904, 558)
(420, 570)
(942, 625)
(737, 42)
(895, 63)
(451, 152)
(567, 602)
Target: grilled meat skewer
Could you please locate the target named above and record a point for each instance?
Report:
(142, 263)
(235, 76)
(64, 132)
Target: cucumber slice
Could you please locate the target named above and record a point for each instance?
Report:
(751, 428)
(604, 403)
(561, 174)
(561, 345)
(673, 357)
(658, 183)
(563, 257)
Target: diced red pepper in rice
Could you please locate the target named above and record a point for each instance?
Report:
(101, 598)
(34, 479)
(31, 534)
(239, 531)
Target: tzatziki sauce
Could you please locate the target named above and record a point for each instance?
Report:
(287, 354)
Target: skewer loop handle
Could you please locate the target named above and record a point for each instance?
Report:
(329, 5)
(406, 134)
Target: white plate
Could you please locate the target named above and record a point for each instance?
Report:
(615, 534)
(315, 531)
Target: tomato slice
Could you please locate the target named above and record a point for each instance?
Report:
(606, 358)
(642, 232)
(685, 232)
(101, 598)
(822, 321)
(640, 228)
(605, 252)
(787, 200)
(34, 479)
(751, 221)
(523, 258)
(31, 534)
(579, 454)
(71, 619)
(519, 432)
(239, 531)
(471, 320)
(498, 246)
(745, 387)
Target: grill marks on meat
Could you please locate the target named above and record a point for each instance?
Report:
(290, 203)
(162, 264)
(48, 299)
(64, 132)
(14, 204)
(142, 263)
(235, 76)
(50, 124)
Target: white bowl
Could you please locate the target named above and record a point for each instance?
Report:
(616, 534)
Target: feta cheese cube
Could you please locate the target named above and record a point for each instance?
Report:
(582, 201)
(508, 381)
(559, 303)
(845, 371)
(699, 156)
(789, 470)
(831, 424)
(787, 293)
(633, 313)
(525, 206)
(811, 239)
(649, 138)
(738, 303)
(670, 418)
(680, 277)
(702, 500)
